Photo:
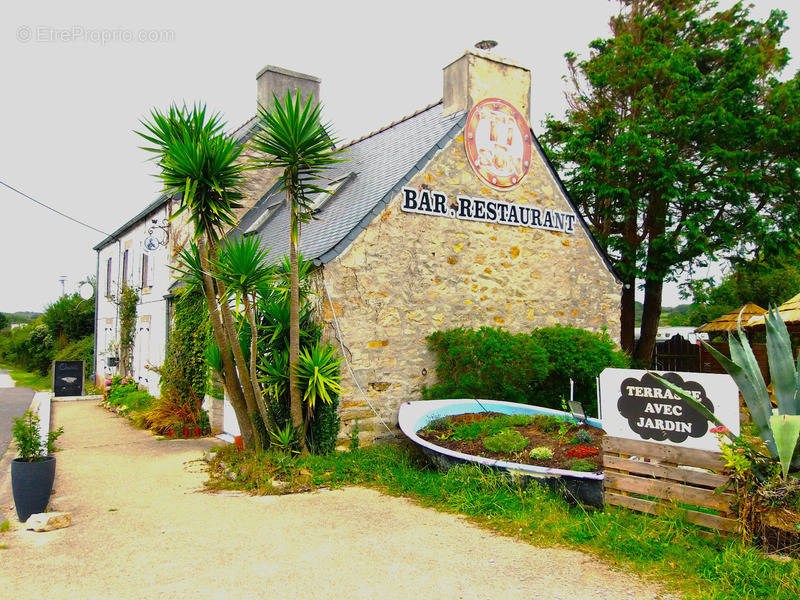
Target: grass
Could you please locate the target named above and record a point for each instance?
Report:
(32, 380)
(665, 549)
(475, 429)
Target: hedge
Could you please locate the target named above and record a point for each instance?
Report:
(530, 368)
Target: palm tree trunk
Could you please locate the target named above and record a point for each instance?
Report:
(240, 363)
(230, 381)
(296, 404)
(268, 418)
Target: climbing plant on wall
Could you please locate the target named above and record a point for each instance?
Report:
(185, 366)
(129, 298)
(185, 372)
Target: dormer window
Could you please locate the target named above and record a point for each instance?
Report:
(322, 198)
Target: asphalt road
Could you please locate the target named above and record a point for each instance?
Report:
(14, 401)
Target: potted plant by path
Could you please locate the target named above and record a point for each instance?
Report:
(33, 472)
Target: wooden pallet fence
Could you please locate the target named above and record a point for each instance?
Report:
(672, 474)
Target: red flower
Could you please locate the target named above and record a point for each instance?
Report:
(582, 452)
(721, 430)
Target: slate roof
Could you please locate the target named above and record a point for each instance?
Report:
(379, 163)
(241, 134)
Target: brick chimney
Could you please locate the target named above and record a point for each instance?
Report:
(275, 80)
(479, 74)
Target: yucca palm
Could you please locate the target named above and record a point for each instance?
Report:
(200, 166)
(318, 373)
(242, 267)
(293, 138)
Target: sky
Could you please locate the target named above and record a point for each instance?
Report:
(77, 78)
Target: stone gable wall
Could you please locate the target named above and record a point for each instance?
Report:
(408, 275)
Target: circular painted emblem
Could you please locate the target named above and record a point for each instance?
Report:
(151, 243)
(498, 143)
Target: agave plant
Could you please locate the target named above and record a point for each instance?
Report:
(779, 429)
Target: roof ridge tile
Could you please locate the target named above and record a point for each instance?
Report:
(390, 125)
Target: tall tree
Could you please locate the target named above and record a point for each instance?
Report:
(293, 138)
(679, 143)
(200, 166)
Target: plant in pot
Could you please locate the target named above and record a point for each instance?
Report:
(32, 473)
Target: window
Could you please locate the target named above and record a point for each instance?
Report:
(125, 268)
(144, 270)
(108, 278)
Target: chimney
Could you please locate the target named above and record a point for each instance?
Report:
(275, 80)
(480, 73)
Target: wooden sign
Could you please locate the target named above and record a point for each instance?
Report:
(635, 406)
(68, 378)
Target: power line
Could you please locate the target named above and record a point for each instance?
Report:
(58, 212)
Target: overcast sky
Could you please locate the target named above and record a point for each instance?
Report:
(77, 78)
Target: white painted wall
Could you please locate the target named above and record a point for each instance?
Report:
(151, 324)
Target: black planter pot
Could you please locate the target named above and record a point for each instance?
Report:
(31, 483)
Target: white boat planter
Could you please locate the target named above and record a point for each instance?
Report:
(575, 485)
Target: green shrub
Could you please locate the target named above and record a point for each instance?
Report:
(82, 349)
(69, 319)
(137, 400)
(490, 426)
(582, 437)
(541, 453)
(487, 363)
(30, 348)
(507, 441)
(581, 464)
(119, 389)
(273, 311)
(324, 429)
(532, 369)
(574, 354)
(547, 423)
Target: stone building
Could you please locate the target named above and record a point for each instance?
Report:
(450, 217)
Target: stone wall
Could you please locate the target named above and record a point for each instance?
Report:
(408, 275)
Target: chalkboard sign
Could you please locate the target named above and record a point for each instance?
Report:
(67, 378)
(635, 406)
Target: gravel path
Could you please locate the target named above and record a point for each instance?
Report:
(143, 528)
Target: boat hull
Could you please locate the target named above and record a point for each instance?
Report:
(575, 486)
